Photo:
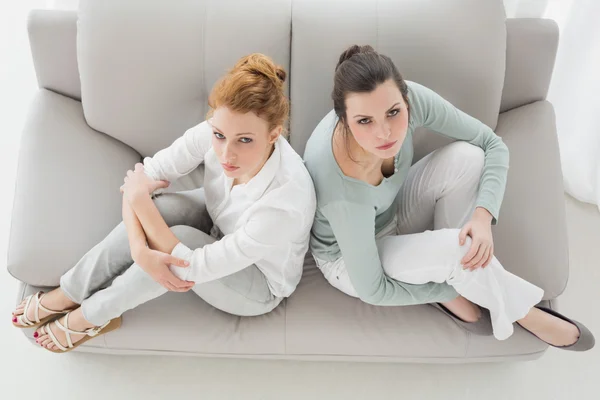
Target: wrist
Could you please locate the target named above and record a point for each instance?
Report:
(138, 194)
(483, 214)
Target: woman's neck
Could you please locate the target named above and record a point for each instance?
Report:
(245, 179)
(348, 148)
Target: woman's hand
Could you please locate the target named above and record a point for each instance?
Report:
(137, 181)
(156, 264)
(479, 228)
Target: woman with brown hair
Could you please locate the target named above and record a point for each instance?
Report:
(392, 233)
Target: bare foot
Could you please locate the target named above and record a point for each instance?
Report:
(463, 309)
(549, 328)
(76, 323)
(54, 300)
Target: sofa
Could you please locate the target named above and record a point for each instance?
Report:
(120, 80)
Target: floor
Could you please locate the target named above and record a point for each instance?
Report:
(557, 375)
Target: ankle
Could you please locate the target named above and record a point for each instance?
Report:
(78, 322)
(59, 299)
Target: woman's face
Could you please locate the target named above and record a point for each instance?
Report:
(242, 142)
(378, 120)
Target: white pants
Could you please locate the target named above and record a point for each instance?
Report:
(441, 190)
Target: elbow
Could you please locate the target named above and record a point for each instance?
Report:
(372, 298)
(501, 145)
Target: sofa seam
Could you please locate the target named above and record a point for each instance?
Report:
(202, 354)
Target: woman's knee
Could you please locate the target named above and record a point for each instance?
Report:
(182, 231)
(449, 238)
(472, 156)
(191, 237)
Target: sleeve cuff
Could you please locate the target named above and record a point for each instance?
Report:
(491, 210)
(154, 178)
(183, 252)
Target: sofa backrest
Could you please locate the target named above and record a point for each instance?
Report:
(456, 48)
(147, 66)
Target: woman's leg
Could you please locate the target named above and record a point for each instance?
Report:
(135, 287)
(440, 192)
(112, 255)
(441, 189)
(434, 256)
(243, 293)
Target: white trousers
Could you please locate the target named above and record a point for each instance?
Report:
(440, 193)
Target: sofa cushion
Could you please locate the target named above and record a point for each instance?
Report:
(434, 45)
(323, 320)
(182, 323)
(67, 192)
(147, 66)
(531, 236)
(316, 323)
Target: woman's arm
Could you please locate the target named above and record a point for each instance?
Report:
(154, 262)
(157, 232)
(430, 110)
(267, 229)
(135, 232)
(354, 229)
(182, 157)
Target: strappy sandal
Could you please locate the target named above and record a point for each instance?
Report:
(91, 333)
(24, 322)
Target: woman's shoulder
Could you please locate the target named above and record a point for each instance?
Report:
(292, 177)
(203, 128)
(291, 164)
(422, 101)
(319, 142)
(318, 154)
(201, 135)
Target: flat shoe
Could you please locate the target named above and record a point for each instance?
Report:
(586, 339)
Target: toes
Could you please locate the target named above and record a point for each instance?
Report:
(18, 320)
(41, 339)
(45, 341)
(19, 310)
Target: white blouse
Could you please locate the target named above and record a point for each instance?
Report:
(265, 221)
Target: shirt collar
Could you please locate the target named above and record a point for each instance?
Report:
(256, 186)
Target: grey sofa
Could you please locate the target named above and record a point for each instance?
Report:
(121, 80)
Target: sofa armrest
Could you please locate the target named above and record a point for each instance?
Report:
(531, 236)
(67, 190)
(53, 42)
(531, 45)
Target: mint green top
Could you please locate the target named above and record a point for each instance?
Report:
(350, 212)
